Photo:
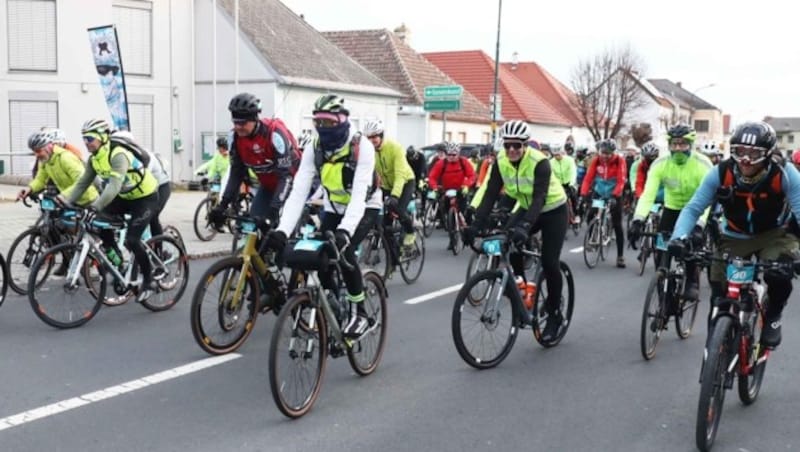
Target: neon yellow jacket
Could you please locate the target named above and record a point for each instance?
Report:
(392, 167)
(64, 169)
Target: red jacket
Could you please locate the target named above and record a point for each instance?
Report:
(611, 176)
(641, 177)
(451, 175)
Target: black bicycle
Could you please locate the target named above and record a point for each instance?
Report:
(382, 250)
(3, 279)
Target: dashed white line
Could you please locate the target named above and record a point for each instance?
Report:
(112, 391)
(576, 250)
(432, 295)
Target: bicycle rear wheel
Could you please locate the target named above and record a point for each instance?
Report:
(564, 313)
(23, 253)
(202, 229)
(365, 354)
(169, 258)
(591, 244)
(484, 332)
(55, 299)
(654, 319)
(712, 384)
(413, 259)
(429, 218)
(374, 254)
(684, 320)
(297, 356)
(220, 322)
(750, 384)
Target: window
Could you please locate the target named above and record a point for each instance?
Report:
(448, 136)
(209, 143)
(32, 35)
(26, 117)
(790, 139)
(701, 125)
(141, 121)
(462, 137)
(134, 20)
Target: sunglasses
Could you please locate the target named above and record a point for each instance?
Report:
(373, 137)
(325, 123)
(679, 145)
(240, 122)
(512, 145)
(89, 139)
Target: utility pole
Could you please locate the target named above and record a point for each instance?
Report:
(496, 73)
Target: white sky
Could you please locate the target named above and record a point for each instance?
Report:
(751, 53)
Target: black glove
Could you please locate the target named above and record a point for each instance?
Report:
(391, 203)
(468, 235)
(696, 238)
(635, 231)
(676, 247)
(612, 202)
(519, 234)
(342, 239)
(216, 217)
(276, 241)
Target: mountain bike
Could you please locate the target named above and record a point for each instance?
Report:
(664, 299)
(733, 348)
(597, 240)
(484, 329)
(647, 245)
(59, 300)
(382, 250)
(309, 327)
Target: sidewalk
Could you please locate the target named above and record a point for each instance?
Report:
(179, 212)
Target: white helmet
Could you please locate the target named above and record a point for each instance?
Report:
(374, 127)
(710, 149)
(515, 130)
(95, 125)
(58, 136)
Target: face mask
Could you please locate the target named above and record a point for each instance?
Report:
(333, 138)
(680, 157)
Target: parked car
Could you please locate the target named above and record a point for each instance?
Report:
(466, 150)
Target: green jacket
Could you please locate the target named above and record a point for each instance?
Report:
(632, 174)
(564, 170)
(679, 181)
(64, 169)
(216, 167)
(392, 167)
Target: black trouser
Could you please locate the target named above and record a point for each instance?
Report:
(572, 195)
(444, 205)
(667, 224)
(402, 208)
(352, 278)
(553, 225)
(141, 211)
(616, 221)
(164, 191)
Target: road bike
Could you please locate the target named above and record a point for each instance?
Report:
(204, 230)
(597, 240)
(647, 245)
(383, 251)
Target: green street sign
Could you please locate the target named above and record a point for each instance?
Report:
(445, 91)
(442, 105)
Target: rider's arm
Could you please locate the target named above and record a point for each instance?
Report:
(283, 168)
(297, 197)
(362, 180)
(572, 171)
(436, 173)
(82, 184)
(73, 167)
(541, 185)
(648, 197)
(493, 185)
(235, 177)
(588, 179)
(38, 183)
(621, 177)
(469, 176)
(205, 167)
(401, 170)
(119, 168)
(791, 180)
(702, 198)
(641, 178)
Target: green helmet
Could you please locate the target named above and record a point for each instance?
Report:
(330, 103)
(682, 131)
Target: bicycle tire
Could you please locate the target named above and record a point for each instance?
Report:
(429, 218)
(653, 321)
(478, 263)
(749, 385)
(452, 231)
(592, 230)
(3, 279)
(376, 331)
(645, 255)
(684, 320)
(712, 383)
(18, 277)
(375, 255)
(297, 304)
(462, 304)
(180, 274)
(173, 232)
(202, 230)
(540, 310)
(222, 313)
(410, 277)
(74, 317)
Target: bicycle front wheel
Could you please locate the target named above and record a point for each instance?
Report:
(202, 228)
(484, 331)
(374, 254)
(750, 384)
(65, 301)
(684, 320)
(564, 312)
(365, 354)
(429, 218)
(719, 350)
(413, 259)
(3, 279)
(221, 322)
(168, 260)
(644, 249)
(591, 244)
(654, 319)
(24, 251)
(297, 356)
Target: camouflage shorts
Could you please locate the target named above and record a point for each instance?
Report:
(767, 246)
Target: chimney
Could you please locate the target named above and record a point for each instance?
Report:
(679, 84)
(514, 61)
(303, 17)
(403, 33)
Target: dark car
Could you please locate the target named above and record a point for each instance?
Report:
(466, 150)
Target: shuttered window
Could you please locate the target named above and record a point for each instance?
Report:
(32, 35)
(134, 21)
(26, 117)
(141, 120)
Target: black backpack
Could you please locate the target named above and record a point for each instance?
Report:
(139, 153)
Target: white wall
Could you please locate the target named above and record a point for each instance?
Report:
(412, 126)
(475, 133)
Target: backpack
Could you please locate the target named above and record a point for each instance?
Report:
(277, 125)
(125, 139)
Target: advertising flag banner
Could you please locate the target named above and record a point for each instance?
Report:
(108, 62)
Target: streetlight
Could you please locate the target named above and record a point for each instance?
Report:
(710, 85)
(496, 74)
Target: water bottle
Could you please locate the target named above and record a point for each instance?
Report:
(527, 291)
(114, 257)
(412, 208)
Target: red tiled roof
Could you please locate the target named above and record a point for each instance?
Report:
(548, 87)
(396, 63)
(474, 70)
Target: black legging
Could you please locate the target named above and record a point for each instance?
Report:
(666, 225)
(140, 210)
(164, 191)
(402, 208)
(352, 278)
(553, 225)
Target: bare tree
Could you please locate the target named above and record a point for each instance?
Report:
(607, 90)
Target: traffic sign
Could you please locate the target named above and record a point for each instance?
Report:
(452, 92)
(442, 105)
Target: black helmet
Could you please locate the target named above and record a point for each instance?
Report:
(245, 106)
(757, 134)
(222, 142)
(569, 147)
(682, 131)
(608, 145)
(474, 154)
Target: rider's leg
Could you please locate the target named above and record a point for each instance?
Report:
(164, 192)
(778, 245)
(616, 221)
(402, 213)
(263, 206)
(141, 210)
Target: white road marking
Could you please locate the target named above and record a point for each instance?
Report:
(113, 391)
(432, 295)
(576, 250)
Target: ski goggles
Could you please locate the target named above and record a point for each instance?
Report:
(748, 154)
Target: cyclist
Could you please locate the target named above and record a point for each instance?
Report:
(525, 175)
(352, 199)
(440, 154)
(563, 168)
(475, 159)
(416, 160)
(545, 148)
(130, 189)
(396, 177)
(753, 190)
(713, 153)
(569, 148)
(217, 167)
(56, 165)
(650, 152)
(453, 173)
(681, 173)
(605, 177)
(265, 146)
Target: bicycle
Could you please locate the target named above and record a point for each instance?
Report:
(647, 245)
(431, 213)
(239, 287)
(87, 265)
(664, 299)
(733, 348)
(502, 310)
(598, 237)
(309, 327)
(571, 211)
(203, 229)
(382, 247)
(3, 279)
(455, 222)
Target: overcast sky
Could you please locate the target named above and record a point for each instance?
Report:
(750, 53)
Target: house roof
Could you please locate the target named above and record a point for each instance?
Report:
(396, 63)
(548, 87)
(474, 70)
(298, 53)
(782, 125)
(680, 95)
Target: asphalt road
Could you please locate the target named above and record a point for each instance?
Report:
(593, 392)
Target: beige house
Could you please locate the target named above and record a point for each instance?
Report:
(706, 119)
(788, 130)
